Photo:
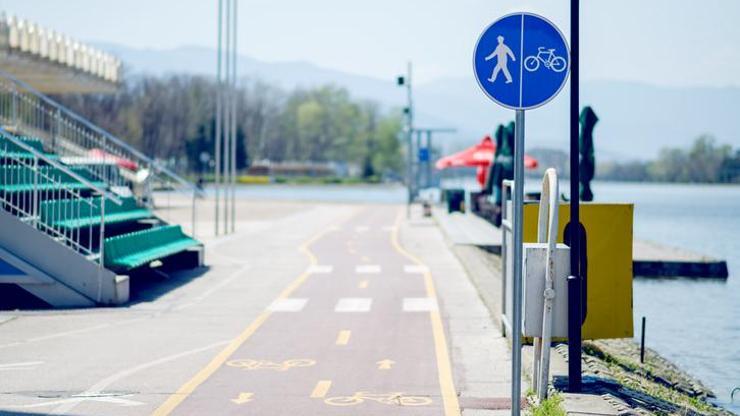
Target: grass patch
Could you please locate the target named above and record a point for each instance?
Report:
(548, 407)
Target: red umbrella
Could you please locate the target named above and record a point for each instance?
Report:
(99, 154)
(480, 156)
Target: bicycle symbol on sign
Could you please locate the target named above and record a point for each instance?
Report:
(286, 365)
(393, 399)
(548, 58)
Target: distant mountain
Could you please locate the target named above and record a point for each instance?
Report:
(636, 119)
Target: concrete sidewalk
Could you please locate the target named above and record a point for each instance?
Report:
(481, 356)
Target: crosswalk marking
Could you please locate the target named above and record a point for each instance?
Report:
(288, 305)
(419, 304)
(367, 269)
(320, 269)
(353, 305)
(415, 269)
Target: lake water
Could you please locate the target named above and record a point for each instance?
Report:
(694, 323)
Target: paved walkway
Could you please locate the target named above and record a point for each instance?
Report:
(312, 309)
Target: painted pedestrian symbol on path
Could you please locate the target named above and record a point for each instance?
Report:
(521, 61)
(501, 53)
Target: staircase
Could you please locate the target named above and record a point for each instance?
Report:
(76, 217)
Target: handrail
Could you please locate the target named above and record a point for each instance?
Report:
(69, 113)
(109, 196)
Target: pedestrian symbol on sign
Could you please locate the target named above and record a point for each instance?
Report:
(501, 53)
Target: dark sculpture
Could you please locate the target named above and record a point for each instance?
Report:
(587, 162)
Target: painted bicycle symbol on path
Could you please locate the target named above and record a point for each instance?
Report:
(249, 364)
(547, 58)
(391, 399)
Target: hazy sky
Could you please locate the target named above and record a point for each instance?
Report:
(664, 42)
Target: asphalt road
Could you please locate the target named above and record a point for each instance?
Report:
(314, 311)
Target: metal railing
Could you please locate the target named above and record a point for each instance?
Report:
(79, 142)
(507, 227)
(47, 195)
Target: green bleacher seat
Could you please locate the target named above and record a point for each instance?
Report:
(36, 144)
(129, 251)
(25, 156)
(71, 214)
(20, 178)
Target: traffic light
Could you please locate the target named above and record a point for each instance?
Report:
(401, 81)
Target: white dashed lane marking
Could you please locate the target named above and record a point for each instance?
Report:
(415, 269)
(367, 269)
(320, 269)
(362, 229)
(353, 305)
(419, 304)
(288, 305)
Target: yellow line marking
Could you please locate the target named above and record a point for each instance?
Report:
(321, 389)
(343, 337)
(243, 398)
(365, 259)
(363, 284)
(444, 368)
(186, 389)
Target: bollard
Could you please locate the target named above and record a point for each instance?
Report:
(642, 342)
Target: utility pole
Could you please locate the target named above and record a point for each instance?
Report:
(225, 134)
(233, 118)
(227, 121)
(217, 138)
(409, 111)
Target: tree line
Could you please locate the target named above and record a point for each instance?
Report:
(705, 161)
(172, 118)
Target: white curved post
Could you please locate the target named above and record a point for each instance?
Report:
(547, 232)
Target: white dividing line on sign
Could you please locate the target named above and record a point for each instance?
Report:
(367, 269)
(320, 269)
(415, 269)
(353, 305)
(419, 304)
(288, 305)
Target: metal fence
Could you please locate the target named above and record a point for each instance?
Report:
(24, 110)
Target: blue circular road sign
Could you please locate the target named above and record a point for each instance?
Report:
(521, 61)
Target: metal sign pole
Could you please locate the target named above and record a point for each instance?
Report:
(516, 324)
(574, 282)
(429, 160)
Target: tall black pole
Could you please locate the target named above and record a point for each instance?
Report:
(574, 282)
